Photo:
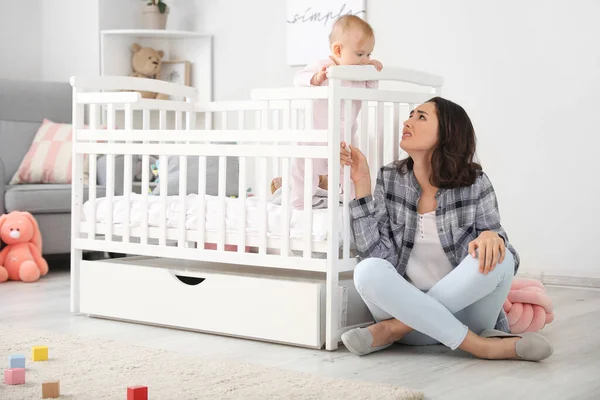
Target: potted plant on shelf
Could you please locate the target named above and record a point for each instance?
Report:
(155, 14)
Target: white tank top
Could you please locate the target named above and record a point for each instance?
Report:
(428, 262)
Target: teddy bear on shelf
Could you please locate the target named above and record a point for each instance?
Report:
(146, 63)
(21, 258)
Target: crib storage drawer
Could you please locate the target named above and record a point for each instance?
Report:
(248, 305)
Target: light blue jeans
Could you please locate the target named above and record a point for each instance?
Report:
(462, 300)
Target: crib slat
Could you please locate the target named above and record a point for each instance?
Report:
(308, 116)
(128, 175)
(190, 123)
(397, 132)
(145, 180)
(222, 189)
(163, 174)
(162, 119)
(275, 126)
(288, 123)
(242, 205)
(242, 192)
(294, 118)
(201, 227)
(163, 169)
(380, 130)
(182, 184)
(285, 204)
(110, 175)
(93, 174)
(346, 185)
(308, 210)
(208, 121)
(222, 205)
(263, 186)
(224, 122)
(372, 154)
(308, 188)
(241, 122)
(364, 128)
(92, 193)
(182, 199)
(178, 120)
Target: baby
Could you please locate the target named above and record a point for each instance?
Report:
(351, 42)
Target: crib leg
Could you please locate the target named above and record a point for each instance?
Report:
(331, 311)
(76, 257)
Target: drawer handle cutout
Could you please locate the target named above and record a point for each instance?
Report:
(190, 280)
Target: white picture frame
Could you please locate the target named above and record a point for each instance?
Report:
(176, 71)
(308, 24)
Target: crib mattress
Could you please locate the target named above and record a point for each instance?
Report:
(212, 215)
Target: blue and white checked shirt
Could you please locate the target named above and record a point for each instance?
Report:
(384, 224)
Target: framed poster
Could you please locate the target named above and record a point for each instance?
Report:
(308, 24)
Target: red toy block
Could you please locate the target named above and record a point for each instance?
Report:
(137, 393)
(14, 376)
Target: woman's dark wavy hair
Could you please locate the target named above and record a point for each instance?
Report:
(452, 162)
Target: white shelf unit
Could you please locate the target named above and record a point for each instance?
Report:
(195, 47)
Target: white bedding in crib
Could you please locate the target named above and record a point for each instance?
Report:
(232, 207)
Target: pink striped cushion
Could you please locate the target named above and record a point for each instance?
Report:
(49, 158)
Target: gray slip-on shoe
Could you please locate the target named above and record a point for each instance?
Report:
(358, 341)
(531, 347)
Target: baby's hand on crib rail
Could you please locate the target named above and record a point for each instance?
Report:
(320, 77)
(377, 64)
(359, 167)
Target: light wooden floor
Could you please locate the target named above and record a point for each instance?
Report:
(573, 372)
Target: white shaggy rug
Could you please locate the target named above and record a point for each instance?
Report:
(101, 369)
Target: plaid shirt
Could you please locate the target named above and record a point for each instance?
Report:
(385, 224)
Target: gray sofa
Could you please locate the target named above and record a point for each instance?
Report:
(23, 106)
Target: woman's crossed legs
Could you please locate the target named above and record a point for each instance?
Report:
(454, 312)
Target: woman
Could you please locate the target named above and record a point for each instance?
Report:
(437, 264)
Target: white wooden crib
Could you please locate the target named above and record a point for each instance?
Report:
(272, 273)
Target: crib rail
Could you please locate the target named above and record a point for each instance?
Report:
(120, 83)
(369, 73)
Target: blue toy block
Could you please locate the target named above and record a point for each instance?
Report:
(16, 361)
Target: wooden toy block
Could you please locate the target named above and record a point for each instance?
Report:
(137, 393)
(14, 376)
(39, 353)
(51, 390)
(16, 361)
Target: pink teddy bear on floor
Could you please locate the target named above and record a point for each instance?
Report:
(21, 259)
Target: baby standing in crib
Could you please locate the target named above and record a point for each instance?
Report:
(351, 42)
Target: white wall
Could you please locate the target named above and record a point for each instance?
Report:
(249, 42)
(526, 72)
(70, 39)
(49, 40)
(119, 14)
(20, 46)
